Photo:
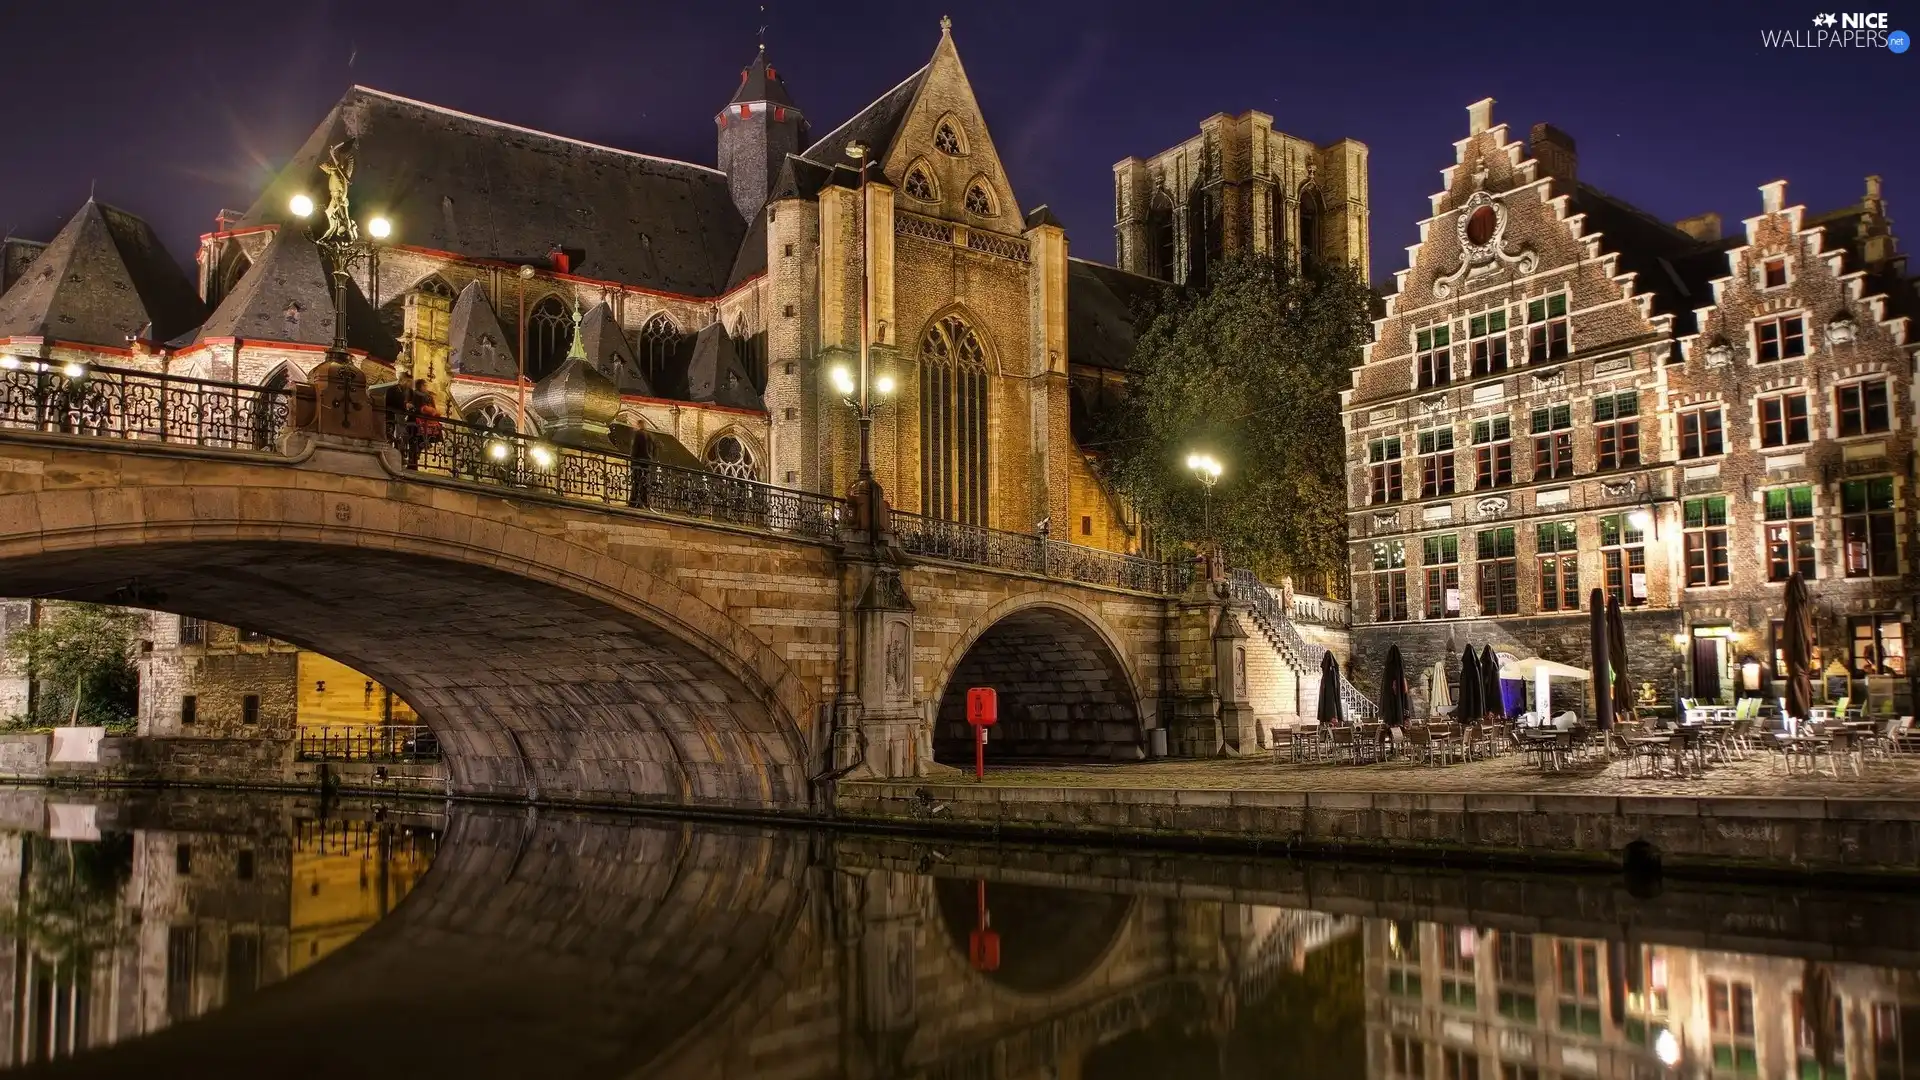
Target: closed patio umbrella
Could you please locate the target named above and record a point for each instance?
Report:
(1617, 653)
(1394, 698)
(1602, 664)
(1799, 649)
(1470, 689)
(1491, 701)
(1330, 711)
(1439, 694)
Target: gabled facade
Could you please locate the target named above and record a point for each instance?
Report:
(1564, 394)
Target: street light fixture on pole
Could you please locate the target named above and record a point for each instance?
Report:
(1206, 468)
(863, 392)
(343, 247)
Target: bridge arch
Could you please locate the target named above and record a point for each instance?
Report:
(550, 669)
(1064, 685)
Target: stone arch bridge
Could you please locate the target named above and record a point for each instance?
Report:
(577, 626)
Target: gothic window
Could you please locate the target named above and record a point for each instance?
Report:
(1309, 228)
(233, 266)
(953, 423)
(435, 285)
(946, 139)
(492, 416)
(729, 455)
(978, 199)
(1203, 236)
(658, 339)
(1160, 237)
(919, 184)
(549, 334)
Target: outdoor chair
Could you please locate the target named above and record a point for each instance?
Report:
(1341, 750)
(1280, 741)
(1843, 748)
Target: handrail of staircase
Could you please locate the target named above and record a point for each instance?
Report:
(1245, 586)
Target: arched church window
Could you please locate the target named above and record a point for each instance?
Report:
(435, 285)
(919, 184)
(1309, 228)
(233, 266)
(953, 423)
(549, 335)
(493, 416)
(729, 455)
(946, 139)
(979, 201)
(1160, 236)
(658, 340)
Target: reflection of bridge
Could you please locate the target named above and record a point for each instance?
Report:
(579, 626)
(569, 945)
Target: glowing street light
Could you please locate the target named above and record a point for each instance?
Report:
(74, 370)
(10, 362)
(1207, 469)
(379, 228)
(301, 205)
(542, 457)
(497, 450)
(1667, 1048)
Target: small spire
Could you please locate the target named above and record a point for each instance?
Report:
(578, 350)
(946, 26)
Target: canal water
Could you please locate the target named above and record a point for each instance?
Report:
(212, 935)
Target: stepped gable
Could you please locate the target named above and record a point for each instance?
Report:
(104, 279)
(478, 344)
(485, 189)
(287, 296)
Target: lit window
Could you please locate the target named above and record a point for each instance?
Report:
(1493, 452)
(1389, 581)
(1781, 338)
(1862, 408)
(1705, 522)
(1547, 328)
(1487, 342)
(1789, 533)
(1559, 554)
(1702, 433)
(1623, 552)
(1866, 524)
(1499, 589)
(1441, 557)
(1384, 469)
(1553, 442)
(1436, 463)
(1434, 357)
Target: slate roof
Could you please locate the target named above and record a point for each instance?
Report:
(876, 125)
(761, 81)
(1675, 267)
(485, 189)
(1103, 303)
(607, 350)
(16, 254)
(477, 343)
(799, 179)
(287, 296)
(105, 277)
(715, 373)
(752, 259)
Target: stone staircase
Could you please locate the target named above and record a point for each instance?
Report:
(1303, 658)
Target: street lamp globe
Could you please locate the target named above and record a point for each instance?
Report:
(301, 205)
(884, 384)
(1667, 1048)
(842, 379)
(379, 228)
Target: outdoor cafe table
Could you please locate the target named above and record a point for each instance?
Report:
(1801, 749)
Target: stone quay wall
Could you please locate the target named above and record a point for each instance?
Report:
(1793, 835)
(26, 758)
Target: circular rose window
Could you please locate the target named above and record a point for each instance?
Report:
(1480, 226)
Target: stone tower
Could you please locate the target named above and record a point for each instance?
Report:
(757, 130)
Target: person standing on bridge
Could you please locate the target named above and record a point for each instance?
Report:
(423, 421)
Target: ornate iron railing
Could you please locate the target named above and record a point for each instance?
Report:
(1273, 621)
(506, 459)
(117, 403)
(934, 538)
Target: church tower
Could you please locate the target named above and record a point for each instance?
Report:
(758, 129)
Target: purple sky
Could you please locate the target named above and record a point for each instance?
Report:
(1675, 106)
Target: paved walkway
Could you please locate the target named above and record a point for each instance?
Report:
(1898, 777)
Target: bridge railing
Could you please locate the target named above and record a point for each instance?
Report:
(935, 538)
(477, 454)
(402, 744)
(119, 403)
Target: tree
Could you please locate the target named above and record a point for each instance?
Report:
(1249, 370)
(82, 649)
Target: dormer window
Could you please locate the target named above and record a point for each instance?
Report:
(978, 200)
(947, 140)
(919, 185)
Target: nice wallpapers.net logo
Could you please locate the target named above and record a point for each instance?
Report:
(1841, 30)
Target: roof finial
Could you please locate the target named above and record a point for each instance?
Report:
(946, 26)
(763, 29)
(576, 350)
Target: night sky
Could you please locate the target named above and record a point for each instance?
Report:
(1675, 106)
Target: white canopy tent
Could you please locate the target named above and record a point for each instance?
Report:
(1541, 670)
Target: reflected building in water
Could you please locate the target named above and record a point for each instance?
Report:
(103, 940)
(1453, 1002)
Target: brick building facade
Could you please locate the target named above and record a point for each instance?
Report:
(1567, 393)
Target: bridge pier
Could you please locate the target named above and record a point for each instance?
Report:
(880, 731)
(1209, 713)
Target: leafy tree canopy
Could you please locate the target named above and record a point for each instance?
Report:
(1250, 371)
(85, 649)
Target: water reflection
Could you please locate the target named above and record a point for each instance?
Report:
(235, 936)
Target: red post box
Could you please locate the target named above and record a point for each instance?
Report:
(983, 708)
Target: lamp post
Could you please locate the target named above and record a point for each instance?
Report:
(343, 247)
(1206, 468)
(862, 390)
